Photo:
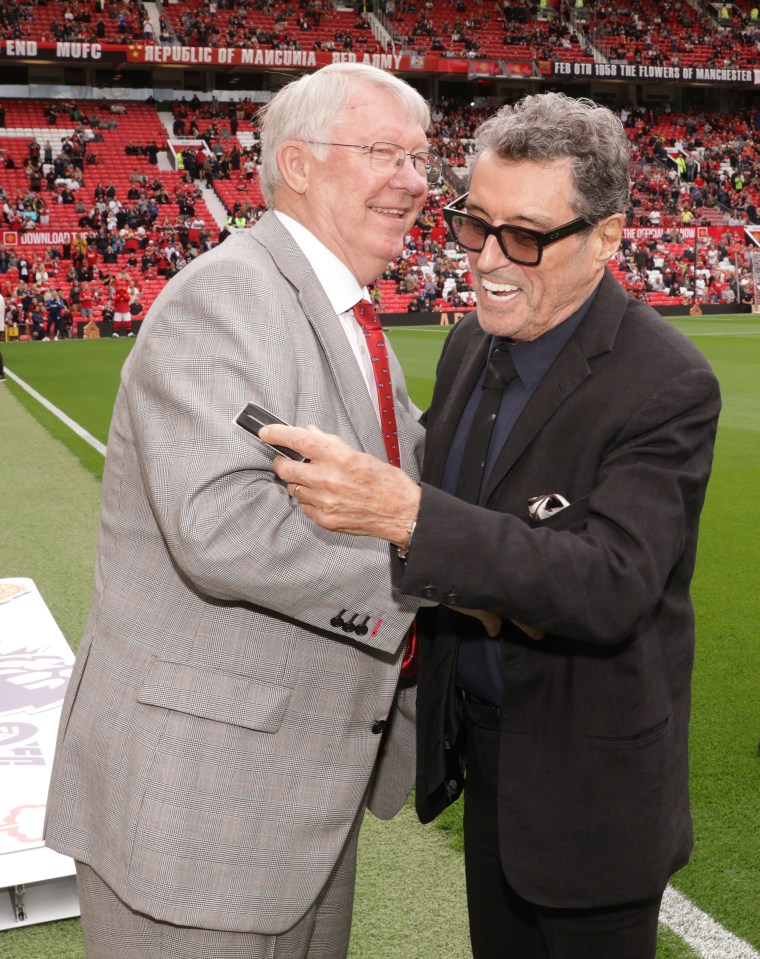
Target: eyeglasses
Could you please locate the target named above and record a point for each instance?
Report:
(517, 243)
(389, 157)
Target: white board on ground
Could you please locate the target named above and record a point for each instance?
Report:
(36, 884)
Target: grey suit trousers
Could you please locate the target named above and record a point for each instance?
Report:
(114, 931)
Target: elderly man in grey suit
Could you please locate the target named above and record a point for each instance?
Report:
(569, 445)
(236, 704)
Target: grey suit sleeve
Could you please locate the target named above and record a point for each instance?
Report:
(221, 336)
(596, 569)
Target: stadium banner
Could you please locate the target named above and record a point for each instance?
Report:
(36, 884)
(15, 238)
(61, 50)
(258, 56)
(638, 71)
(22, 238)
(687, 232)
(518, 69)
(483, 68)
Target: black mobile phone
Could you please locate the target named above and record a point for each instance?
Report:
(253, 417)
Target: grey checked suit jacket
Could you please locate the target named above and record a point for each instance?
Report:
(219, 735)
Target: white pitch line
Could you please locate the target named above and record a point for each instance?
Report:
(72, 424)
(705, 936)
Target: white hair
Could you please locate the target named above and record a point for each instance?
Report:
(307, 108)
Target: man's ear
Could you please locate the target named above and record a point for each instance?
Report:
(610, 236)
(294, 160)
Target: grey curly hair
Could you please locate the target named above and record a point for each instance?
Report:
(551, 126)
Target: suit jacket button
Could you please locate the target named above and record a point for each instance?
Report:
(378, 726)
(429, 592)
(452, 599)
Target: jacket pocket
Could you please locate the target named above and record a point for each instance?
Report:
(221, 697)
(643, 737)
(570, 517)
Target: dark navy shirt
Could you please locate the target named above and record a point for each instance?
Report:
(479, 669)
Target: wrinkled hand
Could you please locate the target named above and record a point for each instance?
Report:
(342, 489)
(345, 491)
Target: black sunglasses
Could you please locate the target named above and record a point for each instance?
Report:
(517, 243)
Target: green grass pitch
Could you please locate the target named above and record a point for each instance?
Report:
(81, 378)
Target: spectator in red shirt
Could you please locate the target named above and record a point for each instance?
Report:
(91, 259)
(87, 302)
(121, 315)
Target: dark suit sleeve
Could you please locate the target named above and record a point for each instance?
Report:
(595, 570)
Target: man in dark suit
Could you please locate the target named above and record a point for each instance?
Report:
(569, 445)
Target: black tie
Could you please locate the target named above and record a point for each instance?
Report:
(499, 374)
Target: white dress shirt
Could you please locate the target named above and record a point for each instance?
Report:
(343, 292)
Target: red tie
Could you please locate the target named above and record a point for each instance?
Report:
(373, 332)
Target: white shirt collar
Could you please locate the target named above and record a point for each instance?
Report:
(339, 283)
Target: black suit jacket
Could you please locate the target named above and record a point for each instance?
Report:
(593, 805)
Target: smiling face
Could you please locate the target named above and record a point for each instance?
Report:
(360, 213)
(523, 302)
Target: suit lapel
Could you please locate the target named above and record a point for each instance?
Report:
(570, 369)
(317, 309)
(458, 373)
(596, 334)
(342, 362)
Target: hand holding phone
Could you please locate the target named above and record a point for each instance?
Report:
(253, 417)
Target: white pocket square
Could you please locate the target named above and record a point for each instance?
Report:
(542, 507)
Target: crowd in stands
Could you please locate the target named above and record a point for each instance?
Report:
(653, 32)
(104, 21)
(666, 269)
(674, 33)
(308, 25)
(695, 169)
(133, 226)
(486, 29)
